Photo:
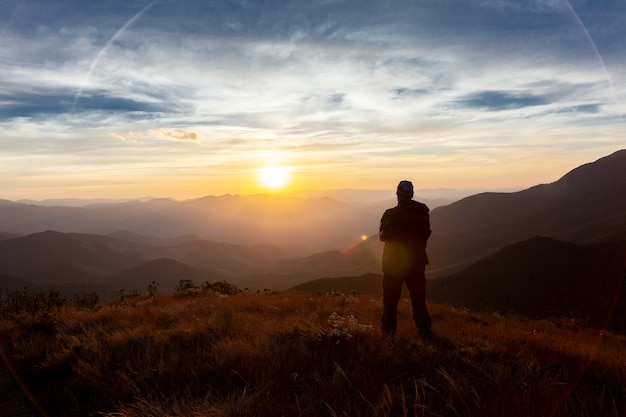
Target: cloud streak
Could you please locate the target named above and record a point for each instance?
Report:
(381, 82)
(179, 134)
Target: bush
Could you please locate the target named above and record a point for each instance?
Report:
(221, 287)
(186, 288)
(34, 304)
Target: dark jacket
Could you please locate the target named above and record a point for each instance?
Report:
(405, 229)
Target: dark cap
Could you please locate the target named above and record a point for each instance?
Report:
(405, 190)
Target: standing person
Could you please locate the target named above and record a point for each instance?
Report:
(405, 229)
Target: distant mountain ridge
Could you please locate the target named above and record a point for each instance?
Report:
(35, 255)
(586, 205)
(78, 263)
(311, 224)
(592, 188)
(307, 221)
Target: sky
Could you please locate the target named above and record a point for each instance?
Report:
(187, 98)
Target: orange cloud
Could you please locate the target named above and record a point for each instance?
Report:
(180, 134)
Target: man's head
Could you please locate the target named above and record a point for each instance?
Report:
(405, 190)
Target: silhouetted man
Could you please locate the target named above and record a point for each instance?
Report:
(405, 229)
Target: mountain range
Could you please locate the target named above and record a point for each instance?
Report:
(280, 242)
(304, 224)
(586, 205)
(77, 263)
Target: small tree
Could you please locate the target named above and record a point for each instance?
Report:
(152, 289)
(186, 287)
(222, 287)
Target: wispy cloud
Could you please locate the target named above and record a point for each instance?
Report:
(380, 82)
(501, 100)
(179, 134)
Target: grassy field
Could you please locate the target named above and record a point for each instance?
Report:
(209, 355)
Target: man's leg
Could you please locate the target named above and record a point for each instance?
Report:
(416, 285)
(392, 288)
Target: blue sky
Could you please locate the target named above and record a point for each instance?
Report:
(188, 98)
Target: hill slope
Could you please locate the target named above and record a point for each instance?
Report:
(363, 284)
(39, 255)
(163, 271)
(542, 277)
(586, 205)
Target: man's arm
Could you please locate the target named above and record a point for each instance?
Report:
(383, 230)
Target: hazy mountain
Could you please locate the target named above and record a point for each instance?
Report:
(235, 259)
(27, 218)
(586, 205)
(311, 224)
(7, 236)
(129, 236)
(304, 224)
(75, 202)
(287, 273)
(309, 235)
(433, 197)
(587, 192)
(69, 280)
(78, 263)
(69, 257)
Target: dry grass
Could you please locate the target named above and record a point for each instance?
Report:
(287, 355)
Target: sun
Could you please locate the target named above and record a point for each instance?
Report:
(274, 177)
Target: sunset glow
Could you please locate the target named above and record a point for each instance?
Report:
(151, 98)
